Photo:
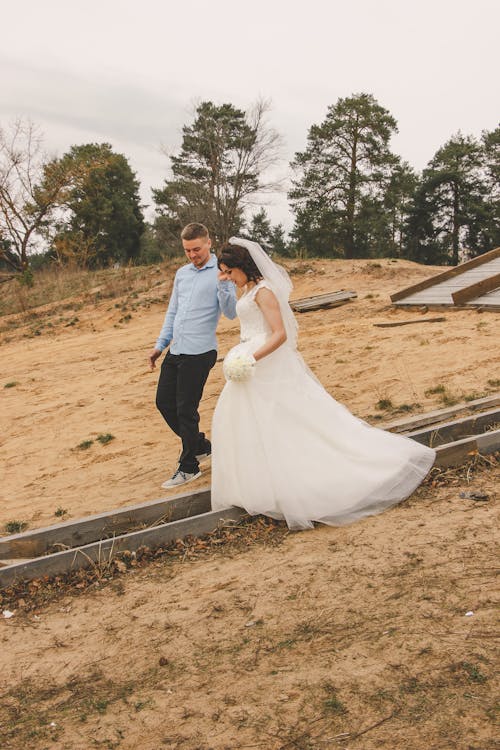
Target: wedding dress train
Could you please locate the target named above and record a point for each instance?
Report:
(283, 447)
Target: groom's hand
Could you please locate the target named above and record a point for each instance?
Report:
(152, 357)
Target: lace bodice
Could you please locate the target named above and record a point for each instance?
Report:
(252, 321)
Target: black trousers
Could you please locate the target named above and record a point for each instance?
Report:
(178, 396)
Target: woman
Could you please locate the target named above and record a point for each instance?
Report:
(281, 445)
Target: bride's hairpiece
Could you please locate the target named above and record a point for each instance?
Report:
(278, 280)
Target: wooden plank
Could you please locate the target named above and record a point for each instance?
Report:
(453, 454)
(431, 295)
(405, 424)
(409, 322)
(14, 561)
(320, 306)
(324, 296)
(312, 304)
(479, 304)
(94, 528)
(455, 271)
(490, 299)
(489, 442)
(319, 301)
(457, 429)
(468, 293)
(100, 553)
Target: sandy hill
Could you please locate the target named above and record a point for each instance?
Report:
(334, 638)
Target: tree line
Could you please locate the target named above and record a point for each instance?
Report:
(351, 195)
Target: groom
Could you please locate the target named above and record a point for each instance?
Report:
(197, 301)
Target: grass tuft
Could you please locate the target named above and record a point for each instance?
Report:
(438, 389)
(84, 445)
(14, 527)
(474, 673)
(332, 703)
(105, 438)
(383, 404)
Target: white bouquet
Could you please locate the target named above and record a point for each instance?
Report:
(239, 367)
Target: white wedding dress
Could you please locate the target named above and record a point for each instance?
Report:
(283, 447)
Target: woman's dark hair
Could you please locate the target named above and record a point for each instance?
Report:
(235, 256)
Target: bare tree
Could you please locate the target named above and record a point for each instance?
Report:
(30, 188)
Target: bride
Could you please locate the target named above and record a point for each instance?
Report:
(281, 445)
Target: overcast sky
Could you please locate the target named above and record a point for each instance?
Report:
(130, 73)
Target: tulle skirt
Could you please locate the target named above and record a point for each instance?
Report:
(283, 447)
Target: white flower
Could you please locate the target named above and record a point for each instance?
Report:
(239, 367)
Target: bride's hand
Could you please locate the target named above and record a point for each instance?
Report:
(223, 276)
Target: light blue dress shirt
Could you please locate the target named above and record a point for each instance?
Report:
(197, 301)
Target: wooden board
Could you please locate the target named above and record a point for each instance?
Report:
(453, 454)
(81, 531)
(470, 293)
(440, 319)
(321, 301)
(406, 424)
(100, 553)
(457, 429)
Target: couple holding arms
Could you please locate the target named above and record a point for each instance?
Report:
(281, 445)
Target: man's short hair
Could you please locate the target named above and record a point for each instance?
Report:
(194, 231)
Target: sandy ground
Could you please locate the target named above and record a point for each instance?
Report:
(352, 638)
(76, 382)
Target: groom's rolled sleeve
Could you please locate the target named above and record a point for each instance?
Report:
(167, 330)
(226, 294)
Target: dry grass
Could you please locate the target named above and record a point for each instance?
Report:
(56, 285)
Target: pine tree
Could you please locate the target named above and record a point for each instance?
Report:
(450, 204)
(342, 178)
(222, 163)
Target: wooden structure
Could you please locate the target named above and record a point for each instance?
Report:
(322, 301)
(34, 554)
(457, 440)
(438, 416)
(475, 283)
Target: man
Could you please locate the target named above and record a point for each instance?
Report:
(198, 298)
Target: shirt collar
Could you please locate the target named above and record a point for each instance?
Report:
(211, 262)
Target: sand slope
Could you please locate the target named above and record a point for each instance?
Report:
(354, 638)
(91, 378)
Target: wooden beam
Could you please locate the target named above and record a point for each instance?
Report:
(319, 301)
(100, 553)
(94, 528)
(458, 429)
(409, 322)
(468, 293)
(453, 454)
(405, 424)
(449, 274)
